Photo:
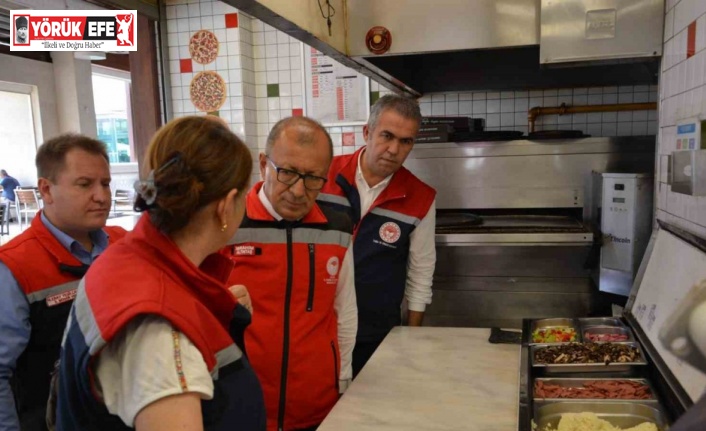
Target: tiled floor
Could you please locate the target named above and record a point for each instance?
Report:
(14, 231)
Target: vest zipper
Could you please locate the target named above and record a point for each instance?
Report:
(312, 278)
(335, 366)
(285, 347)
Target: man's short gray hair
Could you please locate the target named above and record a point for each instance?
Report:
(405, 106)
(305, 135)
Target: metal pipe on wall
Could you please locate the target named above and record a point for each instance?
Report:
(564, 109)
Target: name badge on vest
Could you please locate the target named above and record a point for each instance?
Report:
(246, 250)
(62, 297)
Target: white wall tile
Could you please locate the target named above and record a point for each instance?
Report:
(507, 119)
(624, 129)
(232, 35)
(182, 11)
(183, 25)
(206, 8)
(493, 106)
(682, 15)
(609, 129)
(507, 105)
(492, 120)
(479, 107)
(194, 10)
(669, 25)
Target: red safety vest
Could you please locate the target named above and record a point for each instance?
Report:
(36, 259)
(291, 270)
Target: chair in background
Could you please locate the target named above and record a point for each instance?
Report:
(5, 218)
(122, 198)
(28, 204)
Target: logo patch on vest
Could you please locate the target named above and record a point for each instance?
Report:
(60, 298)
(246, 250)
(333, 265)
(390, 232)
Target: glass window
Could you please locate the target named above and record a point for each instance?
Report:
(111, 96)
(17, 138)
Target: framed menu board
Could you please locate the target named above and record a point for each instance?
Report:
(335, 95)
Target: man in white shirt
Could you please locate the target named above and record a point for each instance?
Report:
(394, 215)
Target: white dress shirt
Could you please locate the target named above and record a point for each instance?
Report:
(345, 305)
(422, 248)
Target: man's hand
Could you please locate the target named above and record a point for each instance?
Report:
(241, 294)
(414, 318)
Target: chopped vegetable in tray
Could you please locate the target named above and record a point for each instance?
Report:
(560, 334)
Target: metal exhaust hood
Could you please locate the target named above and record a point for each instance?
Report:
(417, 46)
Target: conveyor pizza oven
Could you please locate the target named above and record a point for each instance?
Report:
(511, 237)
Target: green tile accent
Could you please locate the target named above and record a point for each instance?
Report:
(214, 113)
(374, 96)
(272, 90)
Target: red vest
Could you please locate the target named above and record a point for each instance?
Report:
(35, 257)
(146, 273)
(382, 240)
(291, 270)
(405, 194)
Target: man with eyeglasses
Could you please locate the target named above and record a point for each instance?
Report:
(296, 260)
(394, 215)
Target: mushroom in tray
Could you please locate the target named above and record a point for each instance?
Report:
(585, 353)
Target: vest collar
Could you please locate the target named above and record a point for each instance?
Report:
(396, 189)
(208, 282)
(51, 243)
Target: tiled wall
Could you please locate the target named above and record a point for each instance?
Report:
(262, 66)
(507, 110)
(683, 95)
(263, 82)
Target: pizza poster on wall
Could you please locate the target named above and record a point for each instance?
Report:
(203, 47)
(335, 94)
(208, 91)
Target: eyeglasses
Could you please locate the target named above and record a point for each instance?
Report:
(290, 177)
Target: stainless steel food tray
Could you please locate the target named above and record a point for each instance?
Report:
(606, 330)
(613, 367)
(559, 322)
(573, 382)
(600, 321)
(619, 414)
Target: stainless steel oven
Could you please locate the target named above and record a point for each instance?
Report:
(512, 240)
